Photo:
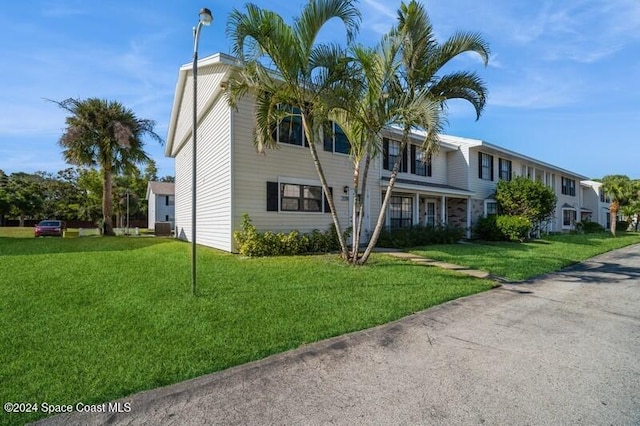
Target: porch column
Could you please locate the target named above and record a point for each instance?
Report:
(443, 210)
(468, 217)
(416, 209)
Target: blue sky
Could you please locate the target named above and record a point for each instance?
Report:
(562, 78)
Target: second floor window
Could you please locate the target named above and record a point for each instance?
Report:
(485, 166)
(421, 161)
(504, 167)
(289, 129)
(335, 140)
(390, 152)
(568, 187)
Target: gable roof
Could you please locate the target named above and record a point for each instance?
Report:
(161, 188)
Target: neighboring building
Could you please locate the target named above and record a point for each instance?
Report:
(595, 204)
(161, 198)
(280, 190)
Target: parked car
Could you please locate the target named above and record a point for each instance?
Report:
(50, 227)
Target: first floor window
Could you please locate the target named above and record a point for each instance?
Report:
(490, 208)
(401, 212)
(430, 219)
(303, 198)
(568, 217)
(291, 197)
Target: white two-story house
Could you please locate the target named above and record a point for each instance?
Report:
(280, 189)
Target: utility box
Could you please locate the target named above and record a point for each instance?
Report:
(162, 229)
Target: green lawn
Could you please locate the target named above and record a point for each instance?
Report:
(517, 261)
(94, 319)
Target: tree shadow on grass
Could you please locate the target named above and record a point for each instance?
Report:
(49, 245)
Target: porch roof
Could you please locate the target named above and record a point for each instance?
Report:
(417, 185)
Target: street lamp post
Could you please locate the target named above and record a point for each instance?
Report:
(205, 19)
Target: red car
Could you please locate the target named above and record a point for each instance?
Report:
(50, 227)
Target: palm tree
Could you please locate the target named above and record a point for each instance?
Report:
(420, 93)
(105, 134)
(363, 116)
(308, 77)
(619, 189)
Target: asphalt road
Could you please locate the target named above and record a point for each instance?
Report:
(560, 349)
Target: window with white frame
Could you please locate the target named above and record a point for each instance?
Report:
(504, 169)
(289, 129)
(430, 214)
(485, 166)
(335, 140)
(401, 212)
(296, 197)
(490, 207)
(568, 218)
(390, 152)
(169, 200)
(568, 186)
(421, 161)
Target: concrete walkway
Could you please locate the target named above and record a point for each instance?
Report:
(444, 265)
(561, 349)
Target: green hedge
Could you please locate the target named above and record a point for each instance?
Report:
(253, 243)
(419, 236)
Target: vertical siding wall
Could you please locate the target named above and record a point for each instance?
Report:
(213, 202)
(151, 212)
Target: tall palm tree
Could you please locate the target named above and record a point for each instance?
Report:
(619, 189)
(420, 92)
(108, 135)
(308, 75)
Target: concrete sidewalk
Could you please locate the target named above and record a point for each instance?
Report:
(561, 349)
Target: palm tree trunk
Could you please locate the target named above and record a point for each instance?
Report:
(387, 198)
(325, 187)
(357, 232)
(613, 209)
(107, 202)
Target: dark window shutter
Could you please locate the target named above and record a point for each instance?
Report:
(327, 208)
(272, 196)
(480, 165)
(404, 160)
(429, 165)
(500, 168)
(413, 159)
(491, 166)
(385, 153)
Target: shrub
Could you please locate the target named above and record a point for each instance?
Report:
(419, 236)
(487, 229)
(503, 228)
(514, 228)
(622, 225)
(592, 227)
(253, 243)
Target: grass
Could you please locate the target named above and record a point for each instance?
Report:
(94, 319)
(517, 261)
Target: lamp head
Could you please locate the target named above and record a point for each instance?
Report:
(205, 16)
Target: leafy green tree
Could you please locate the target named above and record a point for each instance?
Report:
(104, 134)
(25, 196)
(526, 198)
(151, 171)
(308, 73)
(620, 190)
(4, 196)
(420, 91)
